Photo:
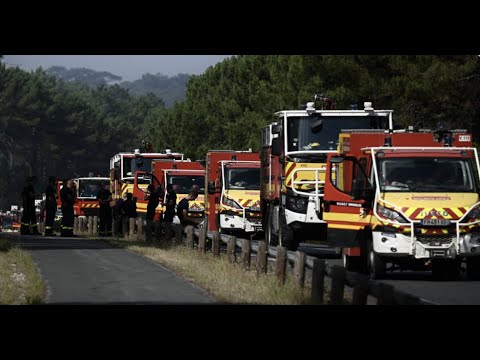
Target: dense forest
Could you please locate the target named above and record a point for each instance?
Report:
(169, 89)
(50, 126)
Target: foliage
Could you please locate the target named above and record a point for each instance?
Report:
(50, 126)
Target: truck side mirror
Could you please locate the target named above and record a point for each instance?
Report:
(276, 146)
(276, 129)
(116, 173)
(211, 187)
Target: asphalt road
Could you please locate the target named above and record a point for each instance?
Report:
(419, 283)
(80, 271)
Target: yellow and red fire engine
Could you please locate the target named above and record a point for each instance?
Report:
(233, 184)
(122, 173)
(293, 158)
(409, 198)
(183, 175)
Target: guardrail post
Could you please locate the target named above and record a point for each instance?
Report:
(80, 225)
(360, 290)
(231, 244)
(318, 280)
(125, 227)
(281, 264)
(385, 296)
(338, 285)
(246, 254)
(299, 268)
(75, 225)
(90, 226)
(216, 243)
(201, 240)
(178, 234)
(95, 226)
(262, 258)
(139, 228)
(132, 228)
(190, 241)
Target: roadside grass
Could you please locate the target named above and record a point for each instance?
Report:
(20, 282)
(226, 282)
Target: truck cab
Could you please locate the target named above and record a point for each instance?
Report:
(232, 179)
(406, 198)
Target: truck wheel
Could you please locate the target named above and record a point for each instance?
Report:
(473, 268)
(270, 237)
(375, 264)
(445, 269)
(353, 263)
(286, 234)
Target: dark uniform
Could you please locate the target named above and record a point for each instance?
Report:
(29, 216)
(153, 201)
(50, 209)
(68, 198)
(105, 212)
(171, 201)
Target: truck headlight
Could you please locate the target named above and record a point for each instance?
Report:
(391, 214)
(473, 215)
(297, 204)
(231, 203)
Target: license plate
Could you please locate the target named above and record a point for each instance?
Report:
(435, 222)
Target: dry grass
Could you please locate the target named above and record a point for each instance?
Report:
(20, 282)
(226, 282)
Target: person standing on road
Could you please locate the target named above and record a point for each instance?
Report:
(68, 198)
(104, 196)
(50, 205)
(29, 215)
(170, 203)
(153, 197)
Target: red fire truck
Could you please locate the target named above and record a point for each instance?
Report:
(183, 175)
(122, 173)
(407, 198)
(293, 157)
(86, 203)
(233, 200)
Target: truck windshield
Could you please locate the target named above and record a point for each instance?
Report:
(183, 183)
(89, 188)
(242, 178)
(324, 136)
(130, 165)
(433, 174)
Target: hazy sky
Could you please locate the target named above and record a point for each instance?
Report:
(130, 67)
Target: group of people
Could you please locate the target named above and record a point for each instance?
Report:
(29, 216)
(119, 211)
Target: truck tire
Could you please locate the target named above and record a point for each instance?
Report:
(270, 237)
(354, 263)
(286, 234)
(445, 269)
(375, 264)
(473, 268)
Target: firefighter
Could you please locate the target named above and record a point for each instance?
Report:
(182, 210)
(104, 196)
(129, 208)
(153, 197)
(67, 197)
(171, 201)
(50, 205)
(28, 201)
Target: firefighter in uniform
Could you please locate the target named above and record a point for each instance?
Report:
(50, 206)
(153, 197)
(29, 216)
(104, 196)
(68, 198)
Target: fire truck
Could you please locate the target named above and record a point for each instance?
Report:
(122, 173)
(183, 175)
(86, 189)
(293, 159)
(233, 185)
(408, 198)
